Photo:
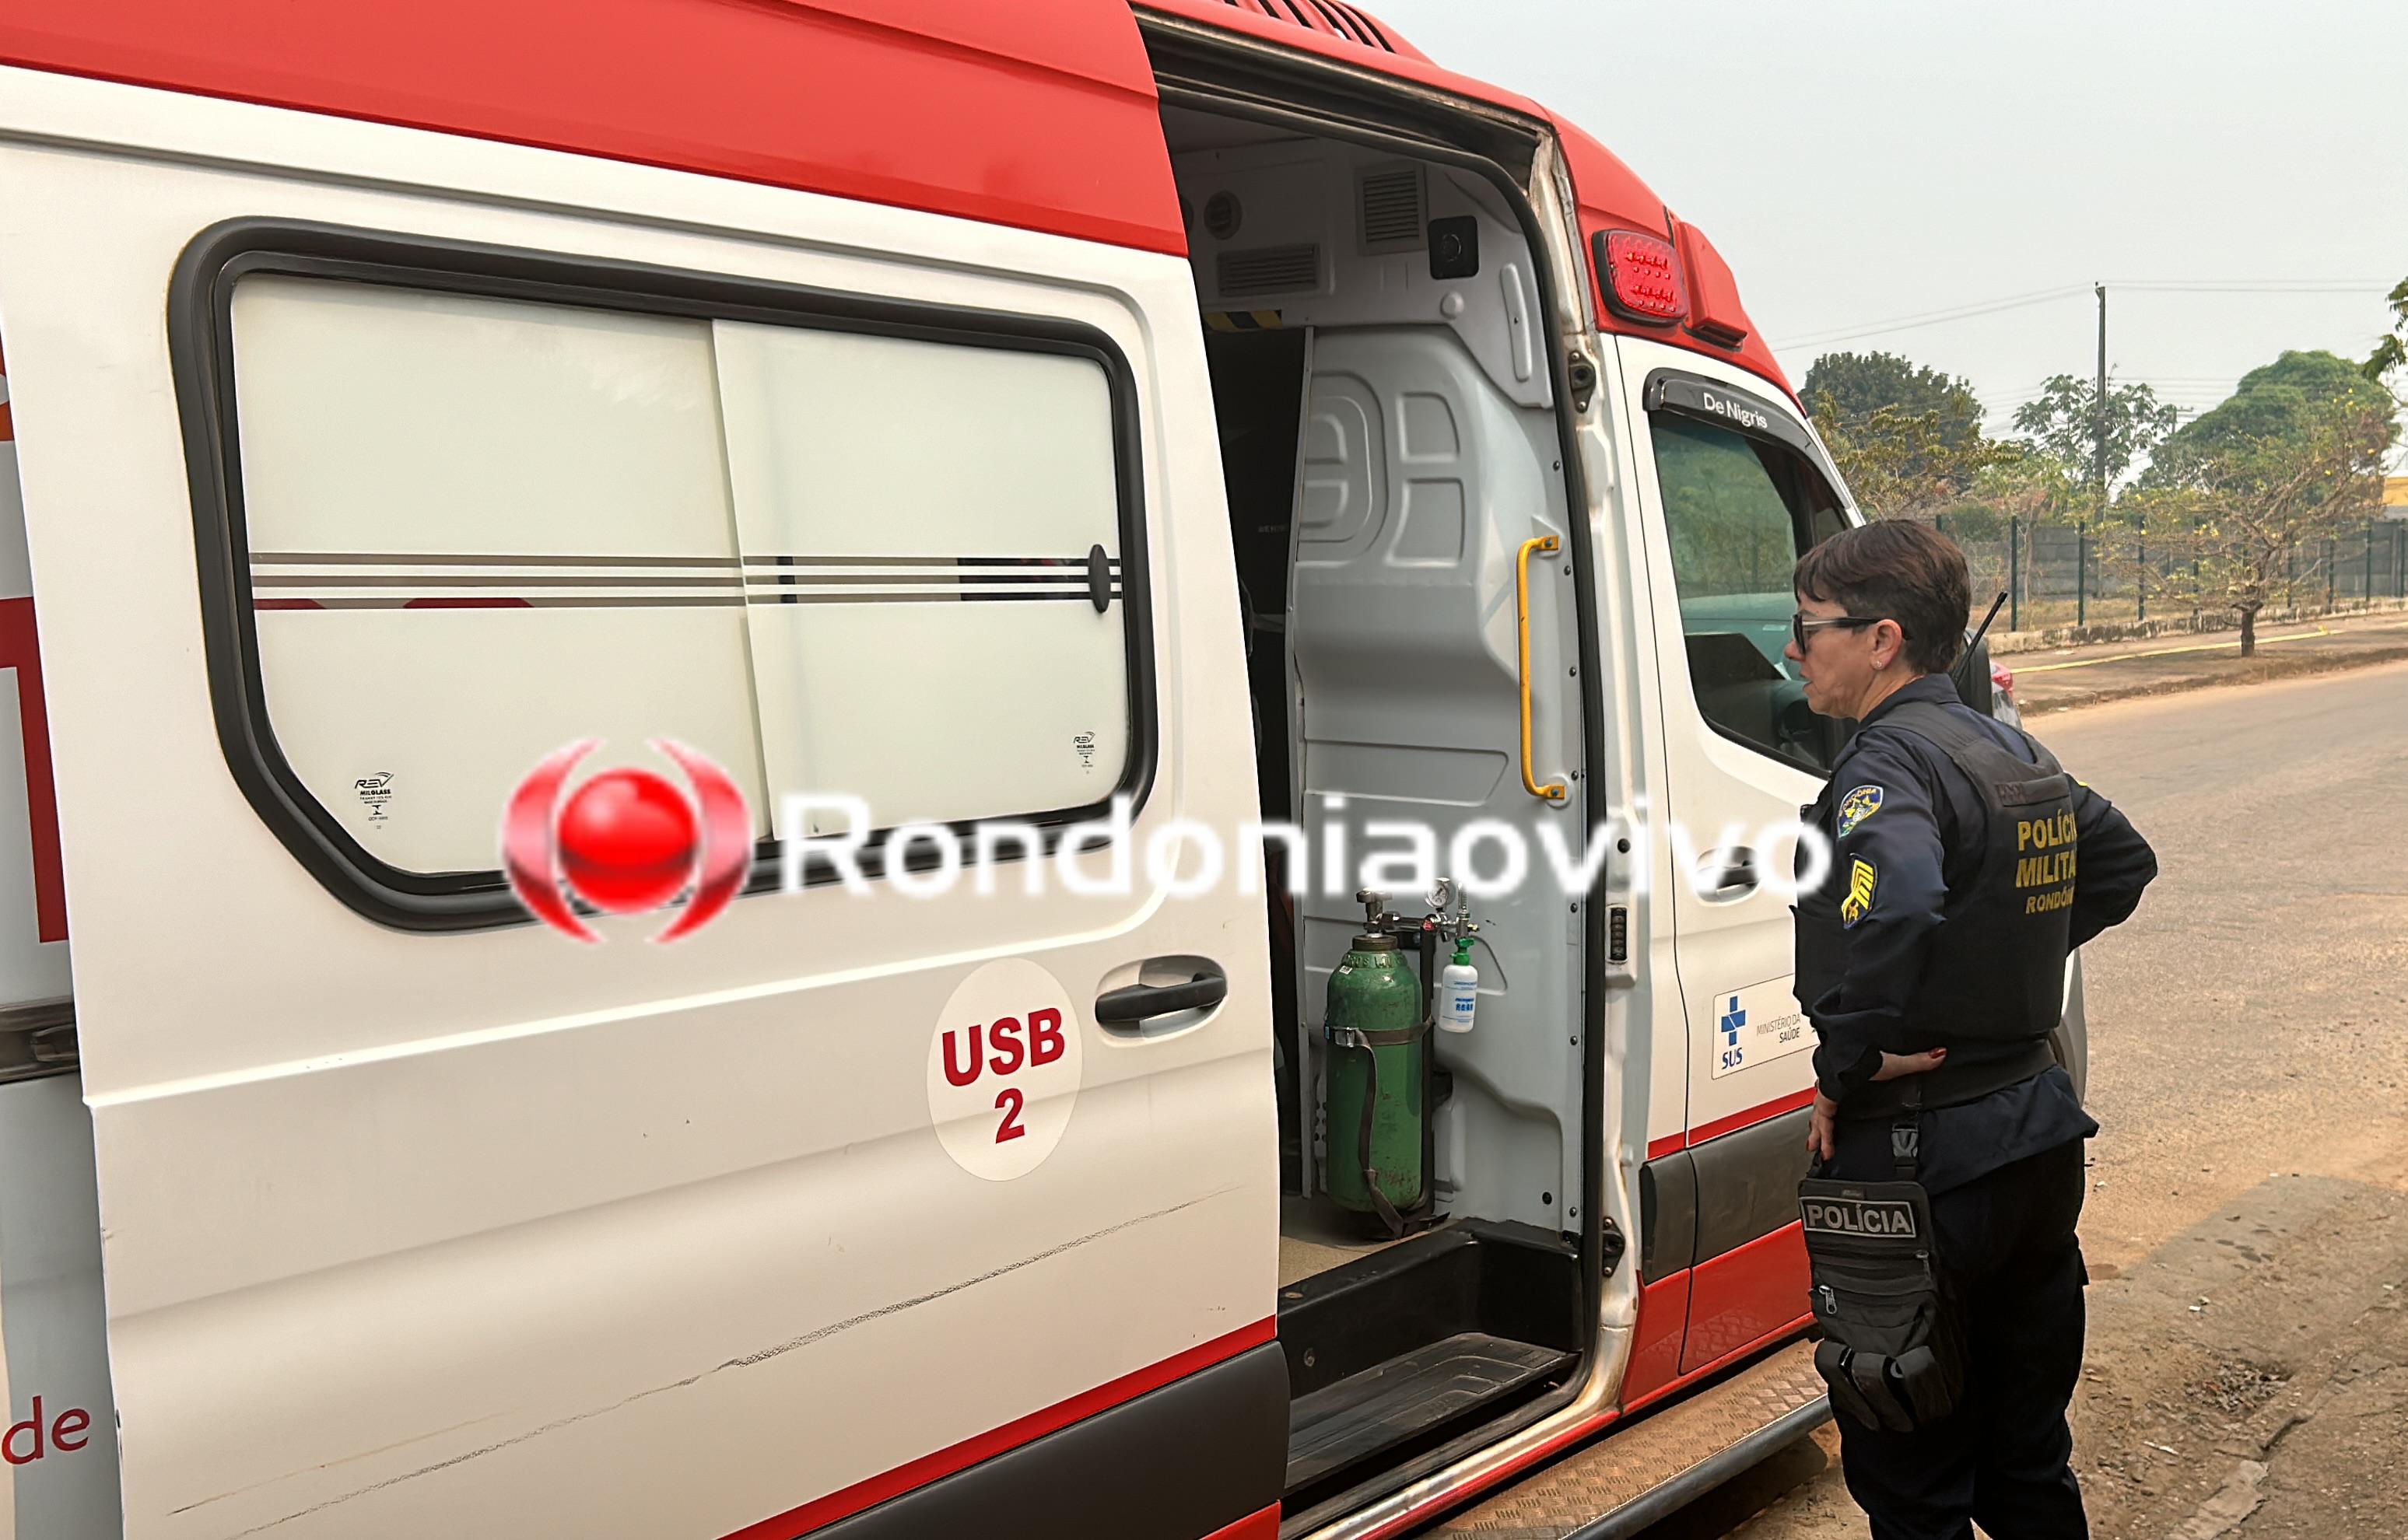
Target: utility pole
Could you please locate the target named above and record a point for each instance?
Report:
(2098, 471)
(2098, 466)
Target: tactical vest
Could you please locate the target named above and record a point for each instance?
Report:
(1993, 984)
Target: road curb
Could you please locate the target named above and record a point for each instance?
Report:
(2259, 670)
(2012, 644)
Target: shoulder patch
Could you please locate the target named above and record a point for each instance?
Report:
(1862, 879)
(1857, 806)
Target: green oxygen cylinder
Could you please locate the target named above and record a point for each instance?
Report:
(1373, 1029)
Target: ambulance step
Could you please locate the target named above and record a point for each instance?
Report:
(1389, 1403)
(1658, 1462)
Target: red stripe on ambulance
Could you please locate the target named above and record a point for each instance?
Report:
(21, 649)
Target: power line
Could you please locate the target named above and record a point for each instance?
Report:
(1934, 318)
(2175, 388)
(2253, 286)
(2042, 296)
(2177, 398)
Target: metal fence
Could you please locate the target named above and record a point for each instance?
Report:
(2064, 574)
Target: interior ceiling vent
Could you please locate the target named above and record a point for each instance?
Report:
(1268, 270)
(1389, 209)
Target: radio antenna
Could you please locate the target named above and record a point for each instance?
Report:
(1967, 660)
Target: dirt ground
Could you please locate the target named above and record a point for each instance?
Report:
(2247, 1225)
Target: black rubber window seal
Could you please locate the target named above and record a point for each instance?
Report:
(200, 332)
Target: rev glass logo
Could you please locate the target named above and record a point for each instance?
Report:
(626, 841)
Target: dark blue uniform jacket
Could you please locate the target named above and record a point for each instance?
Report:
(1928, 812)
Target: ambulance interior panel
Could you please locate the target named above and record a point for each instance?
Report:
(1405, 660)
(1390, 450)
(1313, 233)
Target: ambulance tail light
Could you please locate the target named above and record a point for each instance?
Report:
(1641, 277)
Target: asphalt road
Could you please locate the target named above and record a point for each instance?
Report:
(2248, 1227)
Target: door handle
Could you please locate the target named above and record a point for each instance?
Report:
(1552, 791)
(1727, 874)
(1138, 1002)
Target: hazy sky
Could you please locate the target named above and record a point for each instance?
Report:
(1862, 161)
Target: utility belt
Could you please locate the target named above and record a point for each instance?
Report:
(1957, 1080)
(1893, 1348)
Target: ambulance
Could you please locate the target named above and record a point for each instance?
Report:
(1199, 414)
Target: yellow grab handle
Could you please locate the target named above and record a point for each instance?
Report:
(1556, 792)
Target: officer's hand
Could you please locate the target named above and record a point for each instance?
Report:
(1822, 1128)
(1894, 1065)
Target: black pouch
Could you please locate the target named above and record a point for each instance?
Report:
(1893, 1351)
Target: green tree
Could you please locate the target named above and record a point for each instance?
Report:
(1858, 385)
(1907, 439)
(2064, 421)
(2273, 401)
(2390, 349)
(1901, 464)
(2292, 459)
(2025, 481)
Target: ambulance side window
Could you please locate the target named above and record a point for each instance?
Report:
(1739, 512)
(844, 559)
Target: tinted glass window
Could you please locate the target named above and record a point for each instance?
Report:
(1739, 512)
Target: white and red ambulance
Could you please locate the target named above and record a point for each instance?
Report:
(994, 412)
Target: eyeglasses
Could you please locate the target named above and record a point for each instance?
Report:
(1800, 626)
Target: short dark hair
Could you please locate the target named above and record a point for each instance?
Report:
(1896, 570)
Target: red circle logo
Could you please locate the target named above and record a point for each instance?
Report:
(628, 841)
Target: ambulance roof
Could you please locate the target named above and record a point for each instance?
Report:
(1041, 116)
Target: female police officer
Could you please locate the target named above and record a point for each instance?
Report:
(1932, 965)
